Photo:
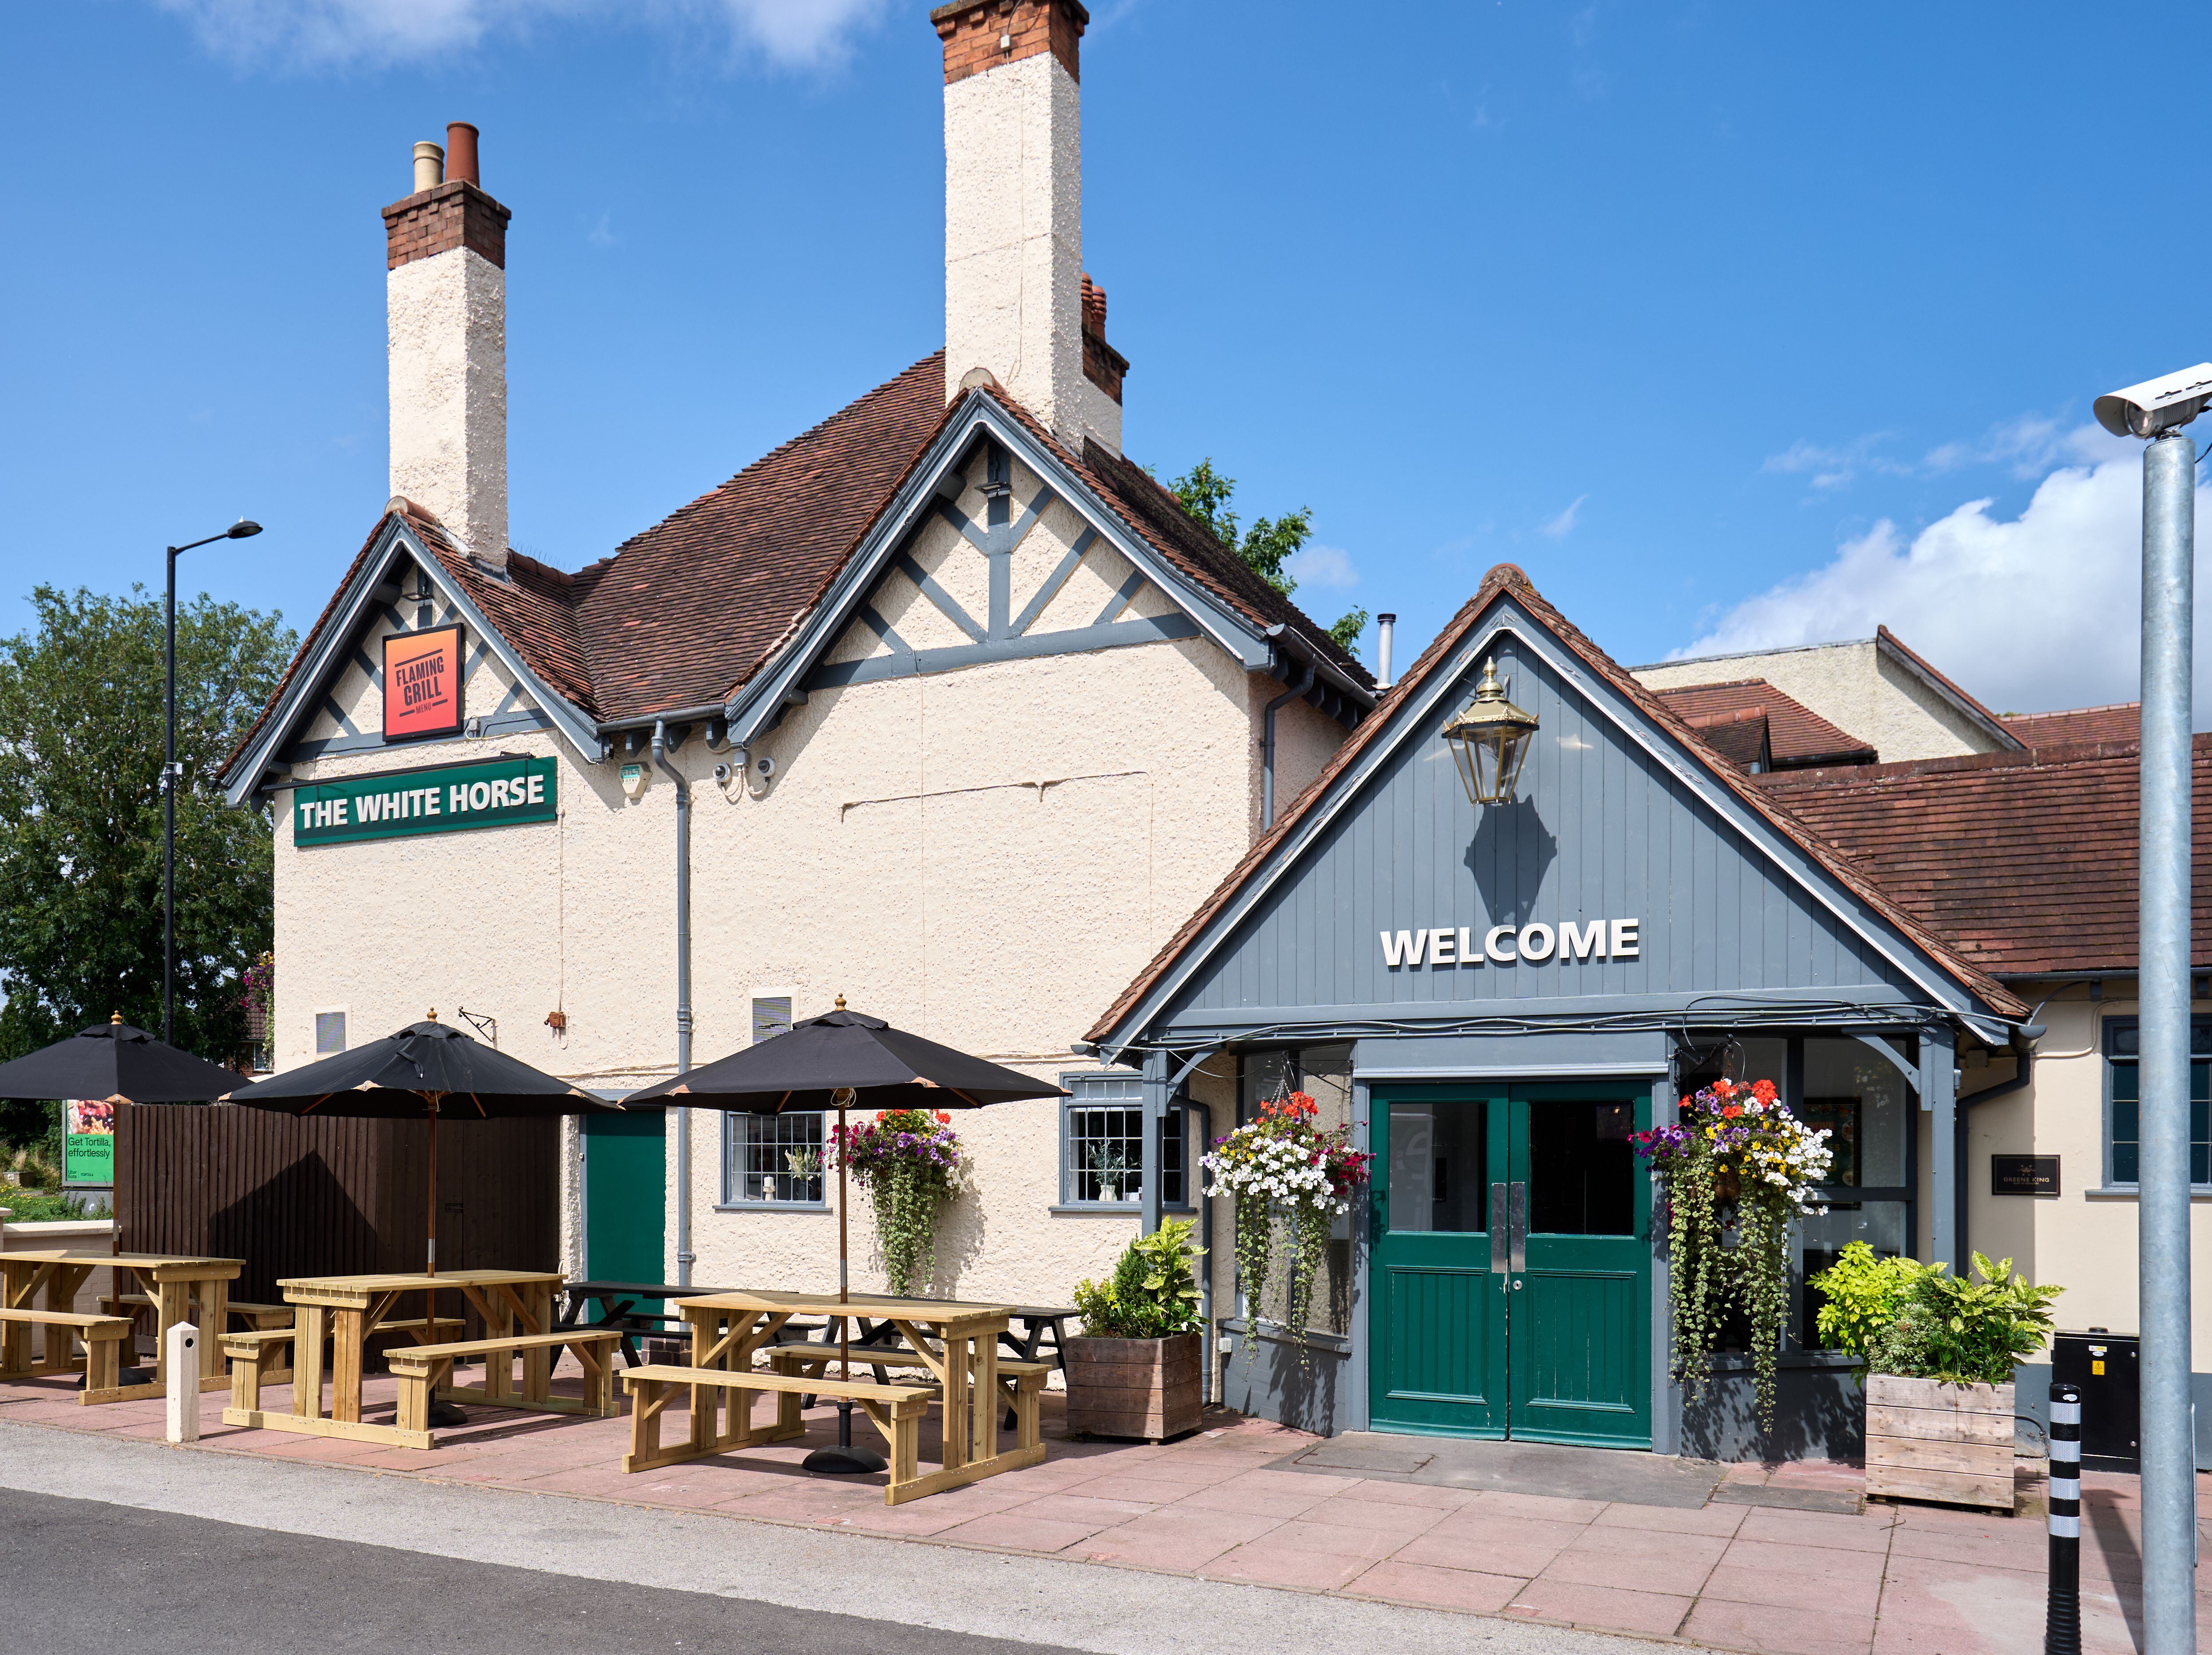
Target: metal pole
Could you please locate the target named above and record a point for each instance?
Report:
(2169, 1456)
(685, 1256)
(2062, 1624)
(169, 814)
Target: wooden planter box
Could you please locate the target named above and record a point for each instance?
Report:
(1145, 1388)
(1929, 1441)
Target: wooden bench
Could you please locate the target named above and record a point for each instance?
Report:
(103, 1337)
(256, 1318)
(261, 1347)
(1022, 1384)
(897, 1409)
(426, 1372)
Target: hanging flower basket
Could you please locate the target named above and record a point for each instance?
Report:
(909, 1162)
(1736, 1170)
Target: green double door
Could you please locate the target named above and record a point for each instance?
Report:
(625, 1197)
(1511, 1273)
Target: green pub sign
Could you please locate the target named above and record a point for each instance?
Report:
(451, 799)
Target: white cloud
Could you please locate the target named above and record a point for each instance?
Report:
(1323, 566)
(336, 34)
(1559, 527)
(2026, 447)
(2036, 612)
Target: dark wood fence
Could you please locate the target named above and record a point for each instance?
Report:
(325, 1197)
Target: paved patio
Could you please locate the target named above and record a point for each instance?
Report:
(1229, 1504)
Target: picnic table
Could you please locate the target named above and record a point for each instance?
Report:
(517, 1309)
(956, 1343)
(620, 1308)
(183, 1287)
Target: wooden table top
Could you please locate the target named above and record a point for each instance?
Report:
(402, 1280)
(860, 1304)
(128, 1260)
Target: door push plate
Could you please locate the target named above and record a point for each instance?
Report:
(1498, 1229)
(1516, 1232)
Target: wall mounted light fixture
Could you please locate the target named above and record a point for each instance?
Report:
(1489, 738)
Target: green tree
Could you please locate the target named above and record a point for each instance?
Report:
(80, 717)
(1265, 546)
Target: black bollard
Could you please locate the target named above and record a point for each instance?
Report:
(2062, 1627)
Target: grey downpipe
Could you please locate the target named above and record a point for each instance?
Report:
(1268, 745)
(2169, 1457)
(685, 1256)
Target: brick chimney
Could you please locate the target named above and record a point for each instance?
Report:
(445, 295)
(1014, 283)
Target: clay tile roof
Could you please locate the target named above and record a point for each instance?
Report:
(1508, 577)
(2027, 861)
(2122, 722)
(685, 613)
(1740, 736)
(1798, 735)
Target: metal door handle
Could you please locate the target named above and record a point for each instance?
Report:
(1498, 1229)
(1516, 1236)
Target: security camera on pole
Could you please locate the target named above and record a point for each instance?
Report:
(2158, 409)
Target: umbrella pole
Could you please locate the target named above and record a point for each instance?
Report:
(844, 1285)
(433, 1251)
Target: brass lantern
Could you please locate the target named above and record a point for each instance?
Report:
(1489, 738)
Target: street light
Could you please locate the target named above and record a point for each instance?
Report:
(1489, 738)
(2158, 409)
(240, 529)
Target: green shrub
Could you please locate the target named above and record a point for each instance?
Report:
(1921, 1322)
(1153, 1291)
(41, 1206)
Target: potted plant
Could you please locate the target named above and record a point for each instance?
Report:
(1134, 1372)
(910, 1163)
(1937, 1355)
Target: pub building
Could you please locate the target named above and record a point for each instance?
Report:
(945, 706)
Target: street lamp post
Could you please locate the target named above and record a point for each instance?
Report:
(2157, 409)
(238, 530)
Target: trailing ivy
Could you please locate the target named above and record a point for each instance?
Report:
(910, 1164)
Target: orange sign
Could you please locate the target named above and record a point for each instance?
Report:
(422, 683)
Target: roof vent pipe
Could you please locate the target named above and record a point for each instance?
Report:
(461, 154)
(430, 166)
(1385, 626)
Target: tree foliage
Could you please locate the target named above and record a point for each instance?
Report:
(1265, 546)
(80, 729)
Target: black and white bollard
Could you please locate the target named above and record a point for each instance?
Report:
(2062, 1627)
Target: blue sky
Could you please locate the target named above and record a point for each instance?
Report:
(1732, 325)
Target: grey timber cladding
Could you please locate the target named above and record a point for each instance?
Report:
(1599, 830)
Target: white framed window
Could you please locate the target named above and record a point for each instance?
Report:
(1101, 1141)
(772, 1161)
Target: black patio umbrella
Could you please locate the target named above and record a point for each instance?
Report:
(845, 1060)
(113, 1063)
(424, 1070)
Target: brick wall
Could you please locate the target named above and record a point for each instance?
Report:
(972, 30)
(454, 215)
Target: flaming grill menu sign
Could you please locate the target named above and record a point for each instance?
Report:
(422, 683)
(450, 799)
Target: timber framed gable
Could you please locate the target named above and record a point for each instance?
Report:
(332, 703)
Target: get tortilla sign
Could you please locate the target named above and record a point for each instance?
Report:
(422, 683)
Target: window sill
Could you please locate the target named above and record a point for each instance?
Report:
(1114, 1210)
(2132, 1191)
(772, 1206)
(1275, 1333)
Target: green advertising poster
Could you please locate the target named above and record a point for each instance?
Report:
(452, 798)
(87, 1143)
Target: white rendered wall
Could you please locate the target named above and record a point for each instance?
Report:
(1853, 687)
(446, 318)
(1013, 243)
(985, 856)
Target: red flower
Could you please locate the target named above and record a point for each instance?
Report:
(1731, 1111)
(943, 1119)
(1726, 1089)
(1763, 1090)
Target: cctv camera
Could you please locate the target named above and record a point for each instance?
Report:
(765, 765)
(2156, 405)
(722, 774)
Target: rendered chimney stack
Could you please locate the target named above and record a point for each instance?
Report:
(445, 293)
(1013, 212)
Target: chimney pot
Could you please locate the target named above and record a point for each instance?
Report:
(430, 166)
(461, 152)
(1386, 627)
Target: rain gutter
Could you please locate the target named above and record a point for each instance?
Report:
(675, 775)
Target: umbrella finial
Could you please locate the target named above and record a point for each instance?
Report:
(840, 1003)
(433, 1014)
(114, 1017)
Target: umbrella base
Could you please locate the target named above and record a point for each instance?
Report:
(845, 1462)
(444, 1416)
(126, 1376)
